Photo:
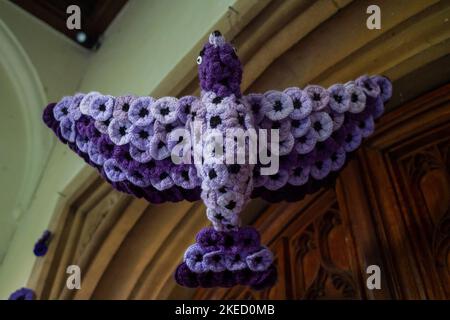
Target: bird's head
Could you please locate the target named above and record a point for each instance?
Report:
(219, 67)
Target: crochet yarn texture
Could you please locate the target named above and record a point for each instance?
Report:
(130, 140)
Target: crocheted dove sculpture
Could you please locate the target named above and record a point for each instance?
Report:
(143, 146)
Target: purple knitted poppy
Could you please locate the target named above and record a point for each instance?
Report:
(140, 112)
(61, 109)
(185, 107)
(320, 169)
(338, 159)
(101, 107)
(105, 146)
(122, 106)
(260, 260)
(141, 136)
(214, 175)
(306, 143)
(102, 126)
(94, 153)
(299, 175)
(284, 126)
(122, 155)
(119, 131)
(158, 147)
(22, 294)
(185, 277)
(136, 175)
(82, 143)
(165, 110)
(41, 246)
(140, 155)
(74, 108)
(370, 87)
(357, 97)
(68, 129)
(277, 180)
(235, 261)
(214, 261)
(301, 102)
(85, 103)
(300, 127)
(385, 87)
(193, 257)
(113, 170)
(366, 125)
(209, 239)
(318, 95)
(230, 202)
(286, 145)
(337, 118)
(339, 98)
(255, 102)
(352, 138)
(321, 125)
(278, 105)
(185, 176)
(248, 239)
(162, 179)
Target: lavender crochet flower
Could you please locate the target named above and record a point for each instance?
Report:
(113, 170)
(141, 136)
(68, 130)
(102, 126)
(185, 107)
(136, 175)
(339, 98)
(193, 257)
(230, 202)
(366, 125)
(277, 180)
(300, 127)
(299, 175)
(301, 102)
(85, 103)
(278, 105)
(318, 95)
(357, 98)
(209, 239)
(82, 143)
(119, 131)
(122, 106)
(22, 294)
(140, 155)
(61, 109)
(74, 108)
(321, 125)
(162, 179)
(260, 261)
(105, 146)
(214, 261)
(235, 261)
(337, 118)
(320, 169)
(185, 176)
(370, 87)
(158, 147)
(101, 107)
(283, 126)
(352, 138)
(338, 159)
(94, 154)
(248, 239)
(165, 110)
(256, 103)
(385, 87)
(214, 175)
(307, 142)
(140, 112)
(41, 246)
(185, 277)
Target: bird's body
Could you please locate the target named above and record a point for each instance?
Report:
(132, 141)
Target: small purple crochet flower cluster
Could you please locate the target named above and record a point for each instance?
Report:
(318, 129)
(41, 246)
(129, 140)
(226, 188)
(225, 259)
(22, 294)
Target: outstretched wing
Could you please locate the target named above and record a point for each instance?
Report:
(319, 129)
(129, 140)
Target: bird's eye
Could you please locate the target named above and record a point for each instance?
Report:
(199, 59)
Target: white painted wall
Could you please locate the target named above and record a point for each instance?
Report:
(144, 43)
